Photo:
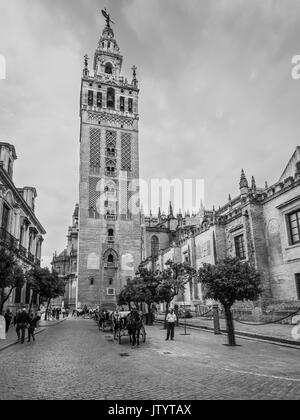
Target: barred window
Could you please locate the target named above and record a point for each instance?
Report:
(240, 247)
(90, 98)
(99, 99)
(130, 105)
(294, 227)
(122, 103)
(297, 278)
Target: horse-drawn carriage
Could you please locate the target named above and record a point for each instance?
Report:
(104, 320)
(129, 324)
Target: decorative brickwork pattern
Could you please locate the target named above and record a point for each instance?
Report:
(95, 155)
(126, 152)
(111, 119)
(111, 138)
(93, 193)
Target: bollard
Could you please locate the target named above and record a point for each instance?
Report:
(216, 319)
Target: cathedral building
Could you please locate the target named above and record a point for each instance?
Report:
(109, 243)
(260, 225)
(65, 264)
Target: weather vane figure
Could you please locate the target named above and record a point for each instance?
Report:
(107, 17)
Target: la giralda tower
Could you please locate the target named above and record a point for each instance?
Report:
(109, 218)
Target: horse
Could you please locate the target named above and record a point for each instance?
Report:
(134, 325)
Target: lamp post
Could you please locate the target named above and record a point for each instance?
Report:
(185, 332)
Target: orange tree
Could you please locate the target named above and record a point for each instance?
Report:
(228, 281)
(11, 276)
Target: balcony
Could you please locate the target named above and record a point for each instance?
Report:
(8, 240)
(111, 154)
(38, 262)
(111, 174)
(110, 265)
(22, 251)
(30, 257)
(112, 217)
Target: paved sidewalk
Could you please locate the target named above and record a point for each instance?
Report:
(280, 333)
(11, 337)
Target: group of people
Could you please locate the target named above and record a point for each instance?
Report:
(23, 321)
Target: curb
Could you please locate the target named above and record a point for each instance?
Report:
(254, 336)
(40, 330)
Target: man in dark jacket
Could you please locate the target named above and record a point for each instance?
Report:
(22, 322)
(8, 317)
(33, 320)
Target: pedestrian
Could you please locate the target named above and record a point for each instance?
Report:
(23, 321)
(171, 320)
(32, 325)
(16, 317)
(8, 317)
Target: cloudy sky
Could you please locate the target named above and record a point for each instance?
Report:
(216, 91)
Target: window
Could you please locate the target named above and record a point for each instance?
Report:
(108, 68)
(122, 103)
(99, 99)
(111, 292)
(92, 281)
(294, 227)
(90, 98)
(10, 168)
(110, 281)
(110, 98)
(110, 259)
(240, 247)
(27, 294)
(5, 217)
(297, 278)
(154, 246)
(130, 105)
(18, 295)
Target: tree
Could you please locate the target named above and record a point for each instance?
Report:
(47, 284)
(229, 281)
(172, 282)
(11, 276)
(34, 280)
(147, 289)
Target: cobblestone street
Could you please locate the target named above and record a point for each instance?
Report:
(73, 360)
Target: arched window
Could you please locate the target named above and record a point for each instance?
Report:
(110, 232)
(108, 68)
(110, 259)
(154, 246)
(110, 98)
(111, 281)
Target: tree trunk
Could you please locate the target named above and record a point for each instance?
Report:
(167, 310)
(48, 303)
(149, 315)
(4, 299)
(230, 326)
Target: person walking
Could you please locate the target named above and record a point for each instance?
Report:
(171, 320)
(8, 317)
(32, 326)
(16, 317)
(23, 321)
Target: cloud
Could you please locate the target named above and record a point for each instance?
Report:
(216, 91)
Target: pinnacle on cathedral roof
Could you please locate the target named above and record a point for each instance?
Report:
(243, 181)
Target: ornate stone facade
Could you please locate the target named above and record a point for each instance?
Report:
(261, 225)
(20, 229)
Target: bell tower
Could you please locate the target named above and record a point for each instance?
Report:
(109, 212)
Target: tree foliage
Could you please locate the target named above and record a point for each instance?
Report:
(11, 276)
(228, 281)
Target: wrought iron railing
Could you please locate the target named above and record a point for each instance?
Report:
(8, 240)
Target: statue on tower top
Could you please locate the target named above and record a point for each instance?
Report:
(107, 17)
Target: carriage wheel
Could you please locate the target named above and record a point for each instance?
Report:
(120, 337)
(143, 334)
